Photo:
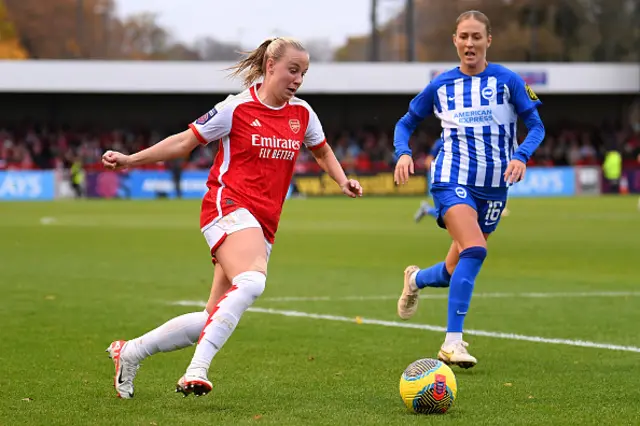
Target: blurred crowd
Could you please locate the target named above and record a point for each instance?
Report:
(363, 150)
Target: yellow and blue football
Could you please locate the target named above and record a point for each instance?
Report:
(428, 386)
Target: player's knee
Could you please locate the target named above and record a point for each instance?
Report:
(252, 283)
(473, 243)
(259, 265)
(475, 252)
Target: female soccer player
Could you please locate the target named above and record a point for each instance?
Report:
(261, 132)
(478, 105)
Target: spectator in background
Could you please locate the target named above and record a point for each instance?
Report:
(360, 150)
(76, 176)
(612, 168)
(175, 168)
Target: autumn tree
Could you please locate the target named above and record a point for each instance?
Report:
(140, 37)
(10, 47)
(87, 29)
(60, 29)
(523, 30)
(90, 29)
(618, 26)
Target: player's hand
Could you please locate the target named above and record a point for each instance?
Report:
(404, 166)
(114, 160)
(515, 171)
(352, 188)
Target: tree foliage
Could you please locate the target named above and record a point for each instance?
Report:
(523, 30)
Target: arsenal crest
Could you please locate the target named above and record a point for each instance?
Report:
(295, 125)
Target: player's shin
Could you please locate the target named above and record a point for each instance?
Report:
(435, 276)
(461, 290)
(177, 333)
(246, 288)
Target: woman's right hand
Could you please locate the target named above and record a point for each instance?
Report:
(114, 160)
(404, 167)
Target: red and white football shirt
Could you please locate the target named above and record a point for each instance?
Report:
(259, 146)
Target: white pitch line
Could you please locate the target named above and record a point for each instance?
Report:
(445, 295)
(497, 335)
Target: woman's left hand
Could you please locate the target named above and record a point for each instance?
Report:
(515, 172)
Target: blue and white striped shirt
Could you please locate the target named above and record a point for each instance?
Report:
(479, 117)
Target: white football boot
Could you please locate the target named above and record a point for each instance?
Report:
(421, 212)
(455, 353)
(408, 302)
(194, 381)
(125, 370)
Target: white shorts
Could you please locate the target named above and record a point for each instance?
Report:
(218, 230)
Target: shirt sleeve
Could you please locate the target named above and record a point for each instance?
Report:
(314, 137)
(534, 138)
(214, 125)
(419, 108)
(522, 96)
(422, 104)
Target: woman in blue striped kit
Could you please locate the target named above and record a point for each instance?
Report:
(478, 104)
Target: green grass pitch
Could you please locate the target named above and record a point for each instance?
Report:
(76, 275)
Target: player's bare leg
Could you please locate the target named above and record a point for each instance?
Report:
(243, 257)
(505, 212)
(453, 256)
(221, 284)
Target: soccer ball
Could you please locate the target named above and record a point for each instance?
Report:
(428, 386)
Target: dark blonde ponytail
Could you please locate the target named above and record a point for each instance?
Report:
(253, 66)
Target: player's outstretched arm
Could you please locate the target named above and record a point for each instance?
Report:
(327, 160)
(174, 146)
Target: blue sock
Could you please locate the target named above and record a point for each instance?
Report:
(431, 211)
(436, 276)
(462, 281)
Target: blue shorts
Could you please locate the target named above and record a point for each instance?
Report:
(488, 202)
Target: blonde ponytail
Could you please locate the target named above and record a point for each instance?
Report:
(253, 66)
